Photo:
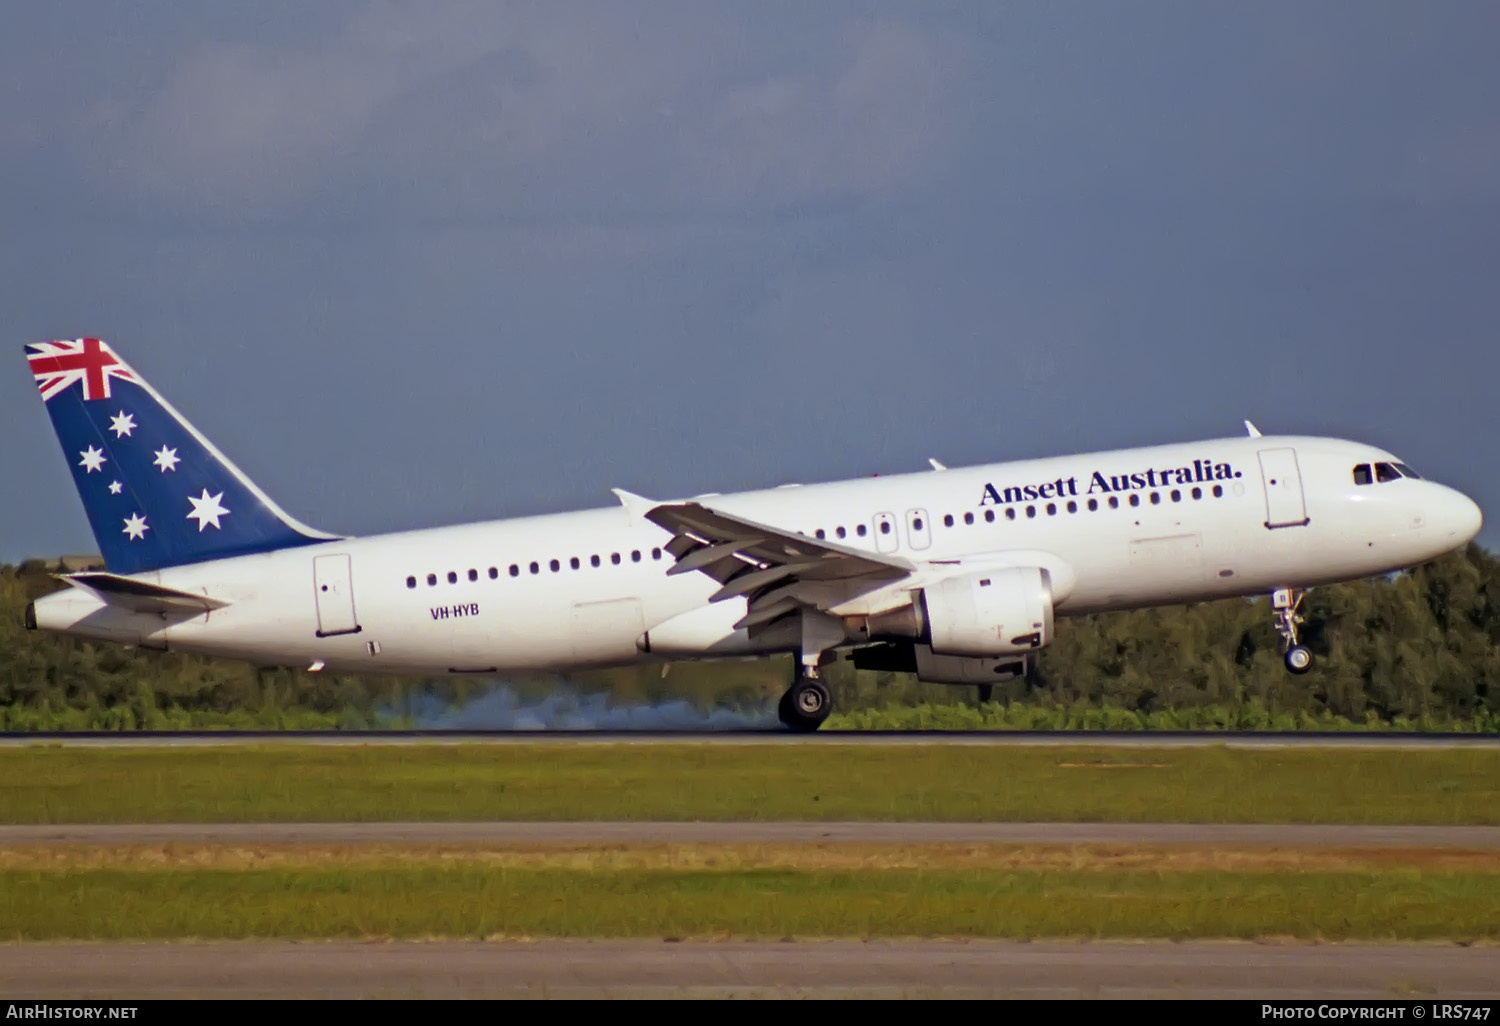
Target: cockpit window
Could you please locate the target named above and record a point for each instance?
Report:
(1362, 474)
(1386, 472)
(1408, 472)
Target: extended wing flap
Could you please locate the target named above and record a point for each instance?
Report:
(747, 557)
(141, 596)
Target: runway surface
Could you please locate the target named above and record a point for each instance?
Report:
(1107, 739)
(571, 833)
(657, 969)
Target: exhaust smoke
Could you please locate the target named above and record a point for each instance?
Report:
(504, 706)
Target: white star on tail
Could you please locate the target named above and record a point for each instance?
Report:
(136, 527)
(92, 460)
(114, 487)
(166, 459)
(207, 510)
(122, 425)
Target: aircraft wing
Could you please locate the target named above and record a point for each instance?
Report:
(778, 571)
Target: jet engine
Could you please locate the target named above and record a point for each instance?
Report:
(988, 613)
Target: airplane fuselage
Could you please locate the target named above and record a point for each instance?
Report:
(1114, 530)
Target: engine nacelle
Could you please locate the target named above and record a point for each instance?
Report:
(999, 612)
(989, 613)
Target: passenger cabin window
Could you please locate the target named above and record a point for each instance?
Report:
(860, 530)
(1362, 474)
(473, 574)
(411, 582)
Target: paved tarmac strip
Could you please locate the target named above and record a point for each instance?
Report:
(1017, 738)
(695, 969)
(572, 833)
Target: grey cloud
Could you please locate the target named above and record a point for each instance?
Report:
(479, 109)
(864, 123)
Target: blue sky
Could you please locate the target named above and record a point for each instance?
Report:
(413, 264)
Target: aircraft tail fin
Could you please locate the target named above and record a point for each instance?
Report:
(157, 493)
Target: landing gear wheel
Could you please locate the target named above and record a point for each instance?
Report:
(1299, 659)
(805, 705)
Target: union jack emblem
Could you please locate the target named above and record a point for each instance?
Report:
(56, 365)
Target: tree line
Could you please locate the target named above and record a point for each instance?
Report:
(1418, 646)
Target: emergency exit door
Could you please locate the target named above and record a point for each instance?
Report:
(918, 530)
(335, 594)
(1282, 479)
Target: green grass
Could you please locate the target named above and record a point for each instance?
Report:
(469, 901)
(1085, 716)
(694, 781)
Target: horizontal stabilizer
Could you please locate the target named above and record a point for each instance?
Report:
(141, 596)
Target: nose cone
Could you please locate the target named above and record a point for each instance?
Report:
(1457, 518)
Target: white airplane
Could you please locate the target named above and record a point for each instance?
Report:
(953, 574)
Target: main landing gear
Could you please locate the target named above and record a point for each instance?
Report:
(1286, 602)
(806, 703)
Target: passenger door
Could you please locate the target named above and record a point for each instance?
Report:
(1282, 479)
(334, 589)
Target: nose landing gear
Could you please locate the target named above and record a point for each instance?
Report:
(1286, 602)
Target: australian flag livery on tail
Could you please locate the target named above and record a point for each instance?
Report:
(157, 492)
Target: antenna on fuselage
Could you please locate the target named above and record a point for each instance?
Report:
(1252, 430)
(935, 464)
